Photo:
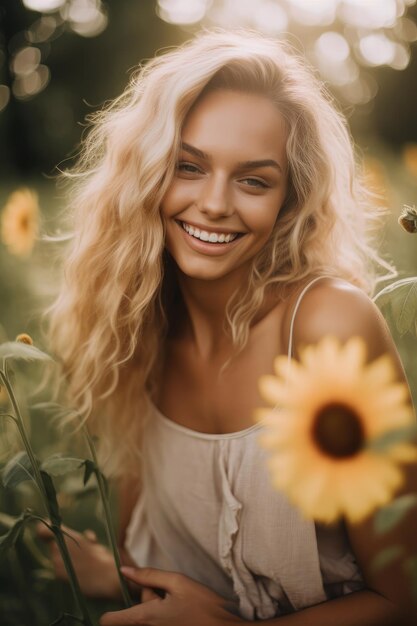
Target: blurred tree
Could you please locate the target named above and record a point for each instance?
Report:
(39, 132)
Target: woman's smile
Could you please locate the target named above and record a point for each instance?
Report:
(209, 243)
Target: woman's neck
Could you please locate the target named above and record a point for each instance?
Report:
(204, 313)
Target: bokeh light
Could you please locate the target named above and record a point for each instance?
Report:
(43, 5)
(26, 60)
(85, 17)
(29, 48)
(43, 29)
(377, 49)
(341, 37)
(28, 85)
(310, 13)
(182, 11)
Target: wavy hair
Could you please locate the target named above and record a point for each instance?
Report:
(109, 322)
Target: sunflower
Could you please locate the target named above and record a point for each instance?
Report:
(20, 221)
(327, 410)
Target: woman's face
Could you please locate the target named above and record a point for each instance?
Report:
(230, 178)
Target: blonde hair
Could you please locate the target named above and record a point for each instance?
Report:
(110, 320)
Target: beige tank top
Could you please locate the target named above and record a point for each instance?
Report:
(208, 510)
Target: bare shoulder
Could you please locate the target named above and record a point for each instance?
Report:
(336, 307)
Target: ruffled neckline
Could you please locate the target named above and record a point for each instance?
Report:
(200, 435)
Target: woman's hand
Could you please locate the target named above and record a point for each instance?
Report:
(93, 562)
(186, 602)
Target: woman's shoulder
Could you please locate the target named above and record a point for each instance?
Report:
(333, 306)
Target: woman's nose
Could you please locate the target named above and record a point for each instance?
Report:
(214, 199)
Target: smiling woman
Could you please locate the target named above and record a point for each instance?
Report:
(219, 221)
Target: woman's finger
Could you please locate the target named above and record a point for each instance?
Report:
(151, 577)
(90, 535)
(43, 532)
(138, 614)
(148, 594)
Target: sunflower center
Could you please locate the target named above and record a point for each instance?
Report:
(338, 431)
(24, 222)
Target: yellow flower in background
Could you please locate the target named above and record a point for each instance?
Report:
(327, 408)
(20, 221)
(410, 158)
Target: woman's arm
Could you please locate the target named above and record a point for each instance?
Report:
(333, 307)
(361, 608)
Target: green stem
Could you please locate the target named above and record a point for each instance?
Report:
(111, 536)
(76, 590)
(75, 586)
(22, 430)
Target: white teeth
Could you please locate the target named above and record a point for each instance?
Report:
(203, 235)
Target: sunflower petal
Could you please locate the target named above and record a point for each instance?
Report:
(272, 390)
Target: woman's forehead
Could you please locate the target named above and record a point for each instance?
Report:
(226, 119)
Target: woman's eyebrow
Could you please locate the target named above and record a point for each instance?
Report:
(243, 165)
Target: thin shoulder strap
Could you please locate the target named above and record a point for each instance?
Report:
(297, 304)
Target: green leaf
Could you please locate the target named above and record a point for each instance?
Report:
(384, 297)
(57, 465)
(392, 437)
(405, 309)
(390, 515)
(385, 557)
(19, 469)
(20, 350)
(90, 469)
(401, 299)
(53, 507)
(9, 540)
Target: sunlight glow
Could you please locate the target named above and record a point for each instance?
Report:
(377, 49)
(313, 13)
(370, 13)
(42, 29)
(272, 19)
(43, 5)
(182, 11)
(26, 61)
(29, 85)
(85, 17)
(333, 46)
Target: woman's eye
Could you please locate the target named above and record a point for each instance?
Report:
(255, 182)
(189, 168)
